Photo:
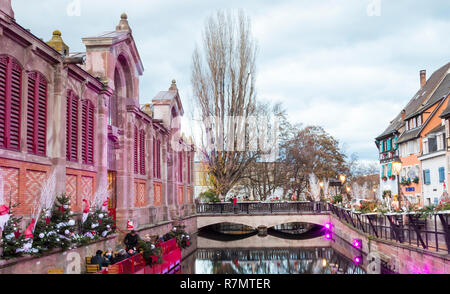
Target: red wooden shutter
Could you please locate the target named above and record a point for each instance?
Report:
(84, 131)
(142, 152)
(154, 158)
(91, 130)
(16, 94)
(189, 168)
(136, 167)
(10, 102)
(180, 167)
(3, 73)
(72, 127)
(158, 159)
(88, 132)
(37, 114)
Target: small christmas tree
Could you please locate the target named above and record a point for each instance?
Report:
(62, 221)
(98, 225)
(55, 230)
(178, 232)
(12, 239)
(44, 234)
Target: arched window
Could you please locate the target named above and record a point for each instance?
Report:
(72, 127)
(37, 114)
(10, 103)
(88, 132)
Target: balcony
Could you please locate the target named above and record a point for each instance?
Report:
(389, 156)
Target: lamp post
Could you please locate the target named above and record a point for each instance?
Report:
(342, 178)
(397, 167)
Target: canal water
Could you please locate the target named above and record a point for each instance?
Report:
(297, 249)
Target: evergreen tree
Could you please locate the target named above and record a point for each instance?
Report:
(63, 223)
(99, 224)
(57, 231)
(44, 234)
(12, 238)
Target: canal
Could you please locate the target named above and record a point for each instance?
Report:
(288, 249)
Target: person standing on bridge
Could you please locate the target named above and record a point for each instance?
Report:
(235, 204)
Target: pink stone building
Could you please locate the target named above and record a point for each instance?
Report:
(78, 114)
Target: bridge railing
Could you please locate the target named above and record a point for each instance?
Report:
(429, 232)
(262, 208)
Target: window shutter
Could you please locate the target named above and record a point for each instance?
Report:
(381, 146)
(16, 94)
(84, 131)
(426, 177)
(3, 73)
(389, 147)
(91, 129)
(136, 169)
(158, 159)
(180, 167)
(189, 168)
(142, 152)
(87, 117)
(441, 175)
(10, 103)
(154, 157)
(389, 170)
(72, 127)
(37, 114)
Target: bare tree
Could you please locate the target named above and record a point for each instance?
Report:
(223, 80)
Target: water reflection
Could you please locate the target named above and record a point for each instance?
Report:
(269, 255)
(273, 261)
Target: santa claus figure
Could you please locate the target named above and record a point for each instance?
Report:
(86, 210)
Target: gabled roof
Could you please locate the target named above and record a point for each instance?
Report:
(438, 129)
(419, 101)
(166, 97)
(440, 93)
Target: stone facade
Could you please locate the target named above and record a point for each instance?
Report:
(94, 130)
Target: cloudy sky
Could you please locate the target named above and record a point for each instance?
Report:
(347, 65)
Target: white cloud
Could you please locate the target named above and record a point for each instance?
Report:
(327, 61)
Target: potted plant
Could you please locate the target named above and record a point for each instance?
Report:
(392, 178)
(406, 182)
(416, 180)
(384, 178)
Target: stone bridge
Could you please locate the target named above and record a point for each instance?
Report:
(268, 215)
(263, 220)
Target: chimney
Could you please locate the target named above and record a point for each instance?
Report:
(403, 114)
(423, 78)
(6, 8)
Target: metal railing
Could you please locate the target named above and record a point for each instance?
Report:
(430, 232)
(262, 208)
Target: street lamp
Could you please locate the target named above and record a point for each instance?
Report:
(397, 168)
(342, 178)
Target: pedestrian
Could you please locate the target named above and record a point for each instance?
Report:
(120, 257)
(100, 260)
(131, 240)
